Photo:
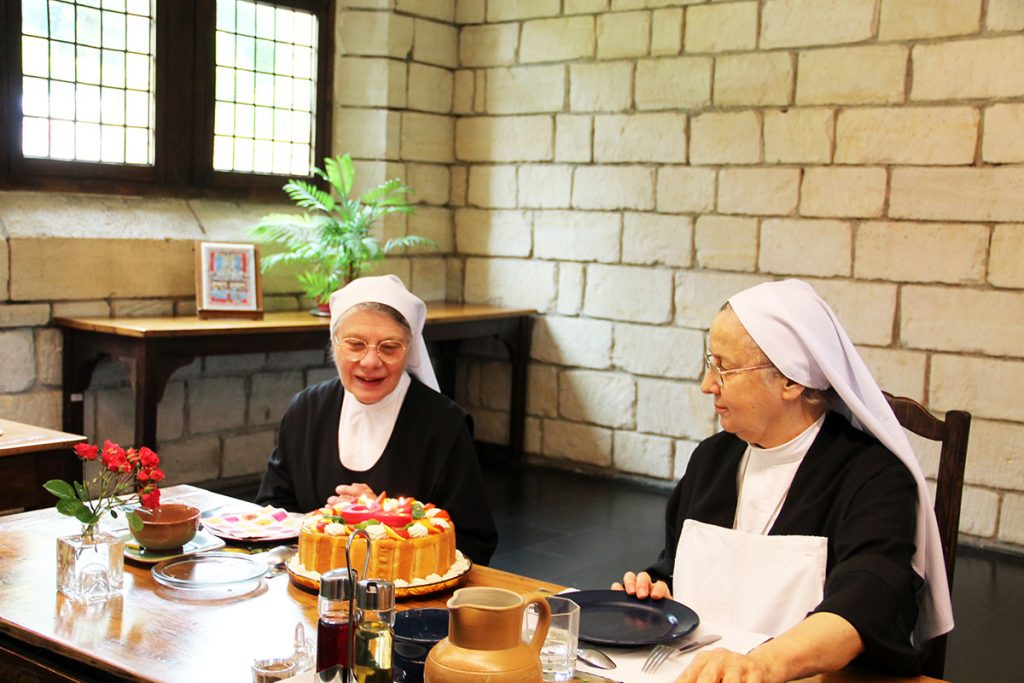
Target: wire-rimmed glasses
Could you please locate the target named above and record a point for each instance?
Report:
(718, 374)
(388, 350)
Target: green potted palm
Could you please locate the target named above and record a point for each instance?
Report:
(331, 240)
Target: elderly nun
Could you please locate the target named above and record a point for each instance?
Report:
(807, 518)
(381, 424)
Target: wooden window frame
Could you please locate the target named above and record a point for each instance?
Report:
(183, 117)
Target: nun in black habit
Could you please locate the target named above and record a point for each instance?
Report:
(381, 425)
(807, 519)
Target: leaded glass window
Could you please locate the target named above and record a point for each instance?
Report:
(88, 80)
(265, 89)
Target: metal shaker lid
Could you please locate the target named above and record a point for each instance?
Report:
(375, 594)
(336, 584)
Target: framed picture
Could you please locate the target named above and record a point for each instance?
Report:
(228, 283)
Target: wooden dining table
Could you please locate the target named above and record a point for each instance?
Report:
(153, 633)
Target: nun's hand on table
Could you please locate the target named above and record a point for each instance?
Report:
(718, 665)
(349, 492)
(641, 586)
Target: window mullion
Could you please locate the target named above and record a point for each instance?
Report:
(175, 89)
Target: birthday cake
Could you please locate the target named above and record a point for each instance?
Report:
(411, 542)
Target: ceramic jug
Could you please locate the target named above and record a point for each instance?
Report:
(485, 640)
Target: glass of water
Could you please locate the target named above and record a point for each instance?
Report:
(558, 656)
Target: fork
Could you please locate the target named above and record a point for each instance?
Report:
(656, 658)
(660, 654)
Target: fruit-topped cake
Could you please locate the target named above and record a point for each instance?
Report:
(413, 542)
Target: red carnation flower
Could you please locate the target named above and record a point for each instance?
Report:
(148, 457)
(87, 451)
(150, 499)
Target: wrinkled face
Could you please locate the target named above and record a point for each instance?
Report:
(749, 404)
(369, 379)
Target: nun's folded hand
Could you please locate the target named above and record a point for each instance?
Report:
(641, 586)
(720, 664)
(349, 492)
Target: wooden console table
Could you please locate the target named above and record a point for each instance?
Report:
(29, 457)
(160, 345)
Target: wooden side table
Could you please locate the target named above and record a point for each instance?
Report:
(29, 457)
(159, 346)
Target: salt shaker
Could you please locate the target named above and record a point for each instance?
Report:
(374, 624)
(332, 629)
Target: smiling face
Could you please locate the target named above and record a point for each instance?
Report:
(752, 405)
(369, 379)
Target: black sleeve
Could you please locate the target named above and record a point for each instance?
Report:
(664, 567)
(277, 487)
(872, 583)
(459, 489)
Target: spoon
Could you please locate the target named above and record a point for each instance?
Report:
(595, 658)
(277, 557)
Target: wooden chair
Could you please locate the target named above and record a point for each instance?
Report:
(952, 432)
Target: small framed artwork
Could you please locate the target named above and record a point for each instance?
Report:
(228, 283)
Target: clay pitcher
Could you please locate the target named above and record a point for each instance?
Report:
(485, 640)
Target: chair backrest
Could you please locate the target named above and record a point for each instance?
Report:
(952, 432)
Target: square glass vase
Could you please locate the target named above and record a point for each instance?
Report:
(90, 568)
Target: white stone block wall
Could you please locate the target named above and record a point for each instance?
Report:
(132, 256)
(688, 149)
(621, 167)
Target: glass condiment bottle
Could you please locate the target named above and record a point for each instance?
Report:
(333, 634)
(374, 624)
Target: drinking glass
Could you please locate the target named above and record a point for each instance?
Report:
(558, 655)
(273, 669)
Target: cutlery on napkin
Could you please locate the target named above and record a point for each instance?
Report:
(699, 643)
(587, 677)
(594, 658)
(629, 662)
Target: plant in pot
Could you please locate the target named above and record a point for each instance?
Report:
(332, 239)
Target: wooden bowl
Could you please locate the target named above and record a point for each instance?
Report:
(169, 526)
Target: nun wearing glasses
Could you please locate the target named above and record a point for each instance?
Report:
(807, 518)
(381, 424)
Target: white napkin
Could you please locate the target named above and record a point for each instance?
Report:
(629, 662)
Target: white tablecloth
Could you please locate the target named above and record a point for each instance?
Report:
(629, 662)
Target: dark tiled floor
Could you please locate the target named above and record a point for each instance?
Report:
(584, 531)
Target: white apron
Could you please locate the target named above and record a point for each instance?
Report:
(766, 584)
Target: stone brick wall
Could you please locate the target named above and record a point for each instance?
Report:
(624, 166)
(91, 255)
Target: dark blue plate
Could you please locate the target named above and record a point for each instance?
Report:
(422, 625)
(416, 632)
(613, 618)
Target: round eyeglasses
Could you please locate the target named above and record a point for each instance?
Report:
(718, 374)
(355, 349)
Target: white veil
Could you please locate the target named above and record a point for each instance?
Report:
(389, 290)
(365, 429)
(802, 337)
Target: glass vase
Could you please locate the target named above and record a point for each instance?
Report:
(90, 566)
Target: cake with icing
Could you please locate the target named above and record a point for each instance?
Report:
(412, 542)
